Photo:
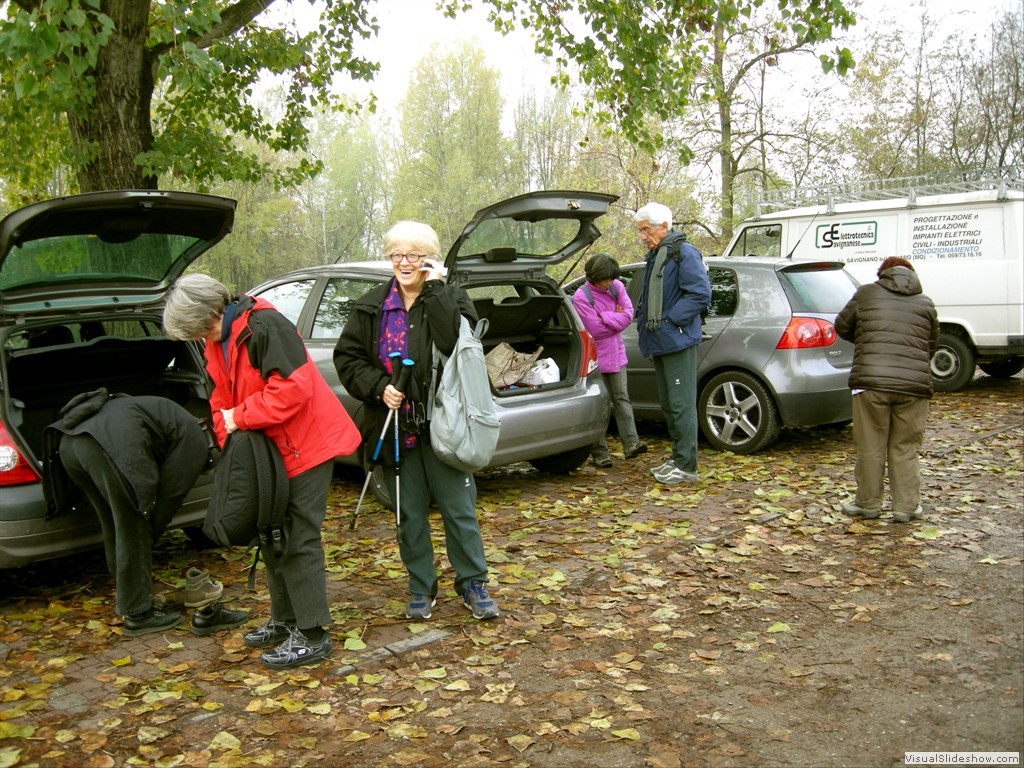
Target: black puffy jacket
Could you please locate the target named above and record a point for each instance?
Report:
(895, 329)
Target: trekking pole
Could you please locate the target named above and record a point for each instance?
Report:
(403, 378)
(375, 456)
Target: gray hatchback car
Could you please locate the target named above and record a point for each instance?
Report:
(500, 259)
(770, 356)
(82, 285)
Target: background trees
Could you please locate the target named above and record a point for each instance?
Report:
(253, 114)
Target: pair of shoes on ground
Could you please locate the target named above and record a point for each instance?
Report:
(290, 647)
(853, 509)
(633, 450)
(200, 589)
(215, 618)
(669, 474)
(476, 599)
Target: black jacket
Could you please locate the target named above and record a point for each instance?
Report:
(433, 318)
(895, 329)
(156, 445)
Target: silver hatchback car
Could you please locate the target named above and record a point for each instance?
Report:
(500, 260)
(770, 356)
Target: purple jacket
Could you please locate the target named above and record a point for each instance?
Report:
(605, 321)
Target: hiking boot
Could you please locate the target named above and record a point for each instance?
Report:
(479, 602)
(906, 517)
(674, 475)
(661, 468)
(214, 618)
(633, 450)
(200, 589)
(604, 462)
(419, 607)
(153, 620)
(298, 650)
(852, 509)
(267, 635)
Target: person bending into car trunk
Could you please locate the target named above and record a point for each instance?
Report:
(264, 379)
(134, 459)
(407, 316)
(675, 293)
(895, 330)
(605, 309)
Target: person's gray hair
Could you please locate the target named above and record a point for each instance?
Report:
(654, 214)
(192, 305)
(412, 234)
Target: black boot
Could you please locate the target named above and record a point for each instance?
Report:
(214, 618)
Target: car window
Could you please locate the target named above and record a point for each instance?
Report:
(759, 241)
(813, 288)
(724, 292)
(289, 298)
(335, 305)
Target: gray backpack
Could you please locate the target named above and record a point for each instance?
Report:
(464, 423)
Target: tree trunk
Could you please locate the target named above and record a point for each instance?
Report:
(725, 157)
(116, 127)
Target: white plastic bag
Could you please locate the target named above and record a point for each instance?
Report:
(544, 371)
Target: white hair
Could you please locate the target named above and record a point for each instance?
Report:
(193, 303)
(654, 214)
(412, 234)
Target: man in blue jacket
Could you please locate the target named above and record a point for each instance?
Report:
(675, 293)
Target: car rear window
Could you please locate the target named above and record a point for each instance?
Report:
(821, 288)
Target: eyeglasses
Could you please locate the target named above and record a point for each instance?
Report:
(412, 258)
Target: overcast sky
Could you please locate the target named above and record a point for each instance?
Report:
(409, 27)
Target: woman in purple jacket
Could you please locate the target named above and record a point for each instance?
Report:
(605, 309)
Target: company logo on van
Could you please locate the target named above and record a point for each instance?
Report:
(847, 234)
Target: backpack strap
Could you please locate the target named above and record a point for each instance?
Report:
(273, 495)
(611, 289)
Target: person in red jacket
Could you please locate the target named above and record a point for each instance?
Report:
(264, 379)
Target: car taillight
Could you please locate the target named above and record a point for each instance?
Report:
(589, 363)
(807, 333)
(14, 470)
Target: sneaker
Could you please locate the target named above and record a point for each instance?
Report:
(852, 509)
(662, 468)
(153, 620)
(419, 607)
(634, 450)
(200, 589)
(603, 462)
(298, 650)
(479, 602)
(267, 635)
(674, 475)
(214, 618)
(906, 517)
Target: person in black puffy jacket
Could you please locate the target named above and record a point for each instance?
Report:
(895, 330)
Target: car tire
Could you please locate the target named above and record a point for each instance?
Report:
(737, 413)
(562, 463)
(382, 491)
(1003, 369)
(952, 364)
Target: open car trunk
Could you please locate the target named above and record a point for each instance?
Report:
(43, 367)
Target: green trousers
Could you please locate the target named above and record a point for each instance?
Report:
(424, 477)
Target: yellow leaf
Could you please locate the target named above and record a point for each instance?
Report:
(320, 709)
(521, 742)
(628, 734)
(438, 673)
(354, 644)
(226, 741)
(122, 662)
(147, 734)
(9, 757)
(357, 736)
(778, 626)
(457, 685)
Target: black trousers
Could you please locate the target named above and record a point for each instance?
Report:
(127, 535)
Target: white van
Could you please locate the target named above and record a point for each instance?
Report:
(964, 233)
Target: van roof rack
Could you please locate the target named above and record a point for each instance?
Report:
(1000, 179)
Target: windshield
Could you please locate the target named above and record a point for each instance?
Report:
(147, 257)
(529, 238)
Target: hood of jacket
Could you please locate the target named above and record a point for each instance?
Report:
(900, 280)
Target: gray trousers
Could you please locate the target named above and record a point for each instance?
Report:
(888, 429)
(127, 535)
(297, 581)
(615, 383)
(676, 374)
